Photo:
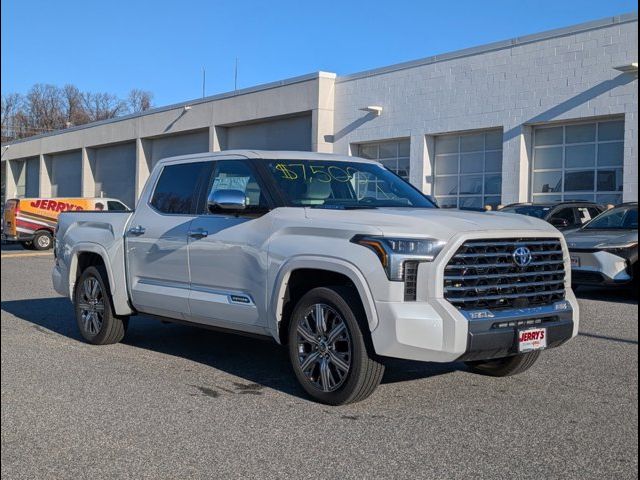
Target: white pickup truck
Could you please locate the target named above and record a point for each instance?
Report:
(335, 257)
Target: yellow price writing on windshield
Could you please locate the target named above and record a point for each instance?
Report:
(320, 173)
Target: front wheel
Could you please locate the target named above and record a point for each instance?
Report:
(94, 313)
(328, 347)
(505, 367)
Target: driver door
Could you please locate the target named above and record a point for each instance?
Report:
(228, 254)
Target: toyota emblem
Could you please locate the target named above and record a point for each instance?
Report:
(522, 256)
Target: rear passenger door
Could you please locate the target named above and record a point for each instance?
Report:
(227, 253)
(157, 241)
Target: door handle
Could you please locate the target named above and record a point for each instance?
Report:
(198, 233)
(139, 230)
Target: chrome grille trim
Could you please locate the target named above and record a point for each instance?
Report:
(483, 275)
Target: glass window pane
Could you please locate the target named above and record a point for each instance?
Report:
(611, 130)
(174, 192)
(447, 144)
(547, 182)
(391, 164)
(493, 184)
(388, 150)
(471, 184)
(548, 158)
(580, 133)
(446, 185)
(611, 199)
(580, 156)
(494, 140)
(548, 136)
(368, 151)
(471, 202)
(610, 154)
(610, 180)
(493, 161)
(472, 143)
(403, 167)
(404, 148)
(471, 162)
(446, 164)
(447, 202)
(547, 198)
(579, 181)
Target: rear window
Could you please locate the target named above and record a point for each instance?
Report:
(116, 206)
(175, 191)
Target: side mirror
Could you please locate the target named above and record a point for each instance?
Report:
(226, 200)
(560, 222)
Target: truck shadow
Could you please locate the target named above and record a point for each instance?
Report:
(261, 362)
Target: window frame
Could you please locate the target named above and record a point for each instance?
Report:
(484, 173)
(590, 195)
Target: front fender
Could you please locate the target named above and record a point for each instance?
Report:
(331, 264)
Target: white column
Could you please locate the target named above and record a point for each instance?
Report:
(516, 164)
(44, 176)
(322, 116)
(630, 174)
(143, 167)
(88, 185)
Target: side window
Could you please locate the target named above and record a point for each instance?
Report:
(177, 187)
(239, 175)
(565, 214)
(116, 206)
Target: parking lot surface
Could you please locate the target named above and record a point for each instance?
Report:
(175, 401)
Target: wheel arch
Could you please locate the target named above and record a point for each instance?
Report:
(315, 272)
(91, 254)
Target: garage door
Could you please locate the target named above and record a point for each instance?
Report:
(66, 174)
(173, 145)
(283, 134)
(115, 172)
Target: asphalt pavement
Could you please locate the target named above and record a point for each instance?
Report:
(174, 401)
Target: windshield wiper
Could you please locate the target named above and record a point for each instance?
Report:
(344, 207)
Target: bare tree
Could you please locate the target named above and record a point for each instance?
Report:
(139, 100)
(47, 107)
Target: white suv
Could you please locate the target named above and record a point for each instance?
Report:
(336, 257)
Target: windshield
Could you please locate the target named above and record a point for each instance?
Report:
(621, 218)
(343, 185)
(530, 210)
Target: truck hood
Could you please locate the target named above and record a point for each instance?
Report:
(600, 238)
(437, 223)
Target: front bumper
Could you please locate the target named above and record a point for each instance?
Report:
(438, 332)
(599, 268)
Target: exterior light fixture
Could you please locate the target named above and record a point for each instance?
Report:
(375, 109)
(186, 108)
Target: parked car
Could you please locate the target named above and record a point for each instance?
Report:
(335, 257)
(32, 221)
(563, 215)
(605, 250)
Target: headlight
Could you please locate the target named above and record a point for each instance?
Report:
(623, 250)
(394, 252)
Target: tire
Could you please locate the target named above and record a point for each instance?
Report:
(43, 240)
(505, 367)
(27, 245)
(94, 311)
(345, 320)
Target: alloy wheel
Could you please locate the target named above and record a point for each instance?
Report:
(324, 347)
(91, 305)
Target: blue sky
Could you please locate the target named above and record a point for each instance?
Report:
(161, 46)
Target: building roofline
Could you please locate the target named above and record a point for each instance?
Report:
(500, 45)
(211, 98)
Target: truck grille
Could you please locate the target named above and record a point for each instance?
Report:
(485, 274)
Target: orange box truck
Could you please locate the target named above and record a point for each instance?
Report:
(32, 221)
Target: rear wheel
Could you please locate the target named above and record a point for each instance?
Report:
(43, 240)
(94, 313)
(505, 367)
(328, 347)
